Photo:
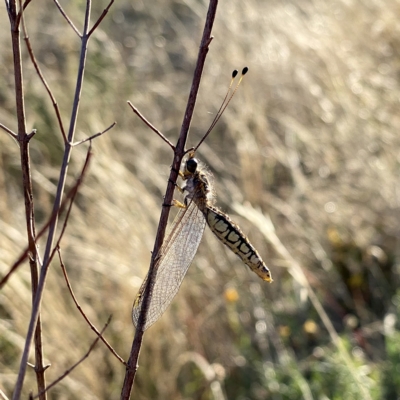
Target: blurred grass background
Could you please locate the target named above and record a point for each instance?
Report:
(310, 140)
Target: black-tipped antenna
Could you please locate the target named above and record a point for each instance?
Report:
(224, 104)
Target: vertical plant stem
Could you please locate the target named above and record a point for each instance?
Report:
(23, 140)
(132, 364)
(56, 207)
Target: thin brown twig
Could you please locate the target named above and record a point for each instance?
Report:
(8, 130)
(132, 364)
(42, 393)
(9, 12)
(69, 370)
(26, 3)
(23, 138)
(25, 253)
(78, 306)
(44, 367)
(67, 18)
(19, 16)
(103, 14)
(152, 127)
(56, 206)
(206, 40)
(95, 135)
(57, 203)
(71, 203)
(32, 134)
(47, 87)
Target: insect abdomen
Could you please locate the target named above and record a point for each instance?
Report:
(232, 236)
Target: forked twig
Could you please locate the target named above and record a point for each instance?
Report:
(16, 17)
(132, 364)
(45, 84)
(70, 369)
(78, 306)
(49, 251)
(70, 195)
(152, 127)
(63, 13)
(23, 140)
(8, 130)
(103, 14)
(21, 11)
(26, 3)
(71, 203)
(95, 135)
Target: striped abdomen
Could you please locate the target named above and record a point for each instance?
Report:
(232, 236)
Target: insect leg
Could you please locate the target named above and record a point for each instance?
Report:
(177, 203)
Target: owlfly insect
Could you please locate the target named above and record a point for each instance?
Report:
(185, 233)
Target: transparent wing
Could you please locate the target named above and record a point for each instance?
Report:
(177, 253)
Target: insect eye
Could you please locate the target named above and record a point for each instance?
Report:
(191, 165)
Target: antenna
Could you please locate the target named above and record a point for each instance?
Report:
(224, 104)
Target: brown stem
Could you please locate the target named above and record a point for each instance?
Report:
(95, 135)
(70, 196)
(69, 370)
(20, 14)
(9, 131)
(75, 29)
(103, 14)
(80, 309)
(23, 140)
(41, 76)
(151, 126)
(56, 206)
(132, 364)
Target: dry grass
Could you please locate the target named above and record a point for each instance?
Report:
(311, 139)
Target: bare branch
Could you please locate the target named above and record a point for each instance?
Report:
(20, 14)
(103, 14)
(70, 195)
(201, 58)
(32, 134)
(137, 112)
(23, 139)
(9, 13)
(67, 18)
(56, 206)
(132, 364)
(26, 3)
(78, 306)
(44, 367)
(73, 195)
(94, 136)
(69, 370)
(14, 135)
(41, 76)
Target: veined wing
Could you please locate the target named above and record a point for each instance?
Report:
(176, 255)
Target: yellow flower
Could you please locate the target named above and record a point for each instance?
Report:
(231, 295)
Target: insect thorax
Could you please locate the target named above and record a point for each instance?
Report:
(200, 189)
